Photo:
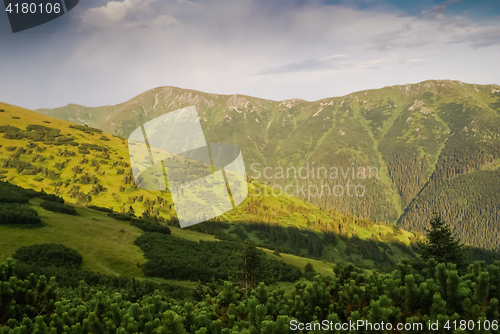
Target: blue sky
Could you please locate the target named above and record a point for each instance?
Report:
(106, 52)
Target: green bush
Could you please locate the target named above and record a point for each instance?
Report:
(148, 226)
(11, 148)
(50, 197)
(13, 189)
(30, 303)
(8, 128)
(58, 207)
(18, 214)
(9, 195)
(45, 255)
(85, 129)
(83, 150)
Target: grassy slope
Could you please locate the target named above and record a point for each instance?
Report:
(98, 237)
(112, 198)
(105, 244)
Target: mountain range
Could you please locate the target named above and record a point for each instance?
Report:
(413, 149)
(90, 170)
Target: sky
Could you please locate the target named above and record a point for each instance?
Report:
(106, 52)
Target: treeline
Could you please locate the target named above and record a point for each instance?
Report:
(406, 295)
(16, 214)
(175, 258)
(58, 207)
(150, 226)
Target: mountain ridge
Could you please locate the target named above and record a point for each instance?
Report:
(421, 137)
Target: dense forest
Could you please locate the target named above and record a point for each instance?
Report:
(473, 196)
(171, 257)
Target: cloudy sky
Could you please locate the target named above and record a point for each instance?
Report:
(106, 52)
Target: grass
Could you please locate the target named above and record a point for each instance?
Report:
(321, 267)
(105, 244)
(191, 235)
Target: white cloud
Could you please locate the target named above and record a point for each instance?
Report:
(340, 62)
(125, 14)
(164, 21)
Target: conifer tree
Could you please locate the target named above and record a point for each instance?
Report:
(441, 245)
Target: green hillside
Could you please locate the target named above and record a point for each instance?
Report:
(153, 277)
(88, 167)
(410, 146)
(106, 244)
